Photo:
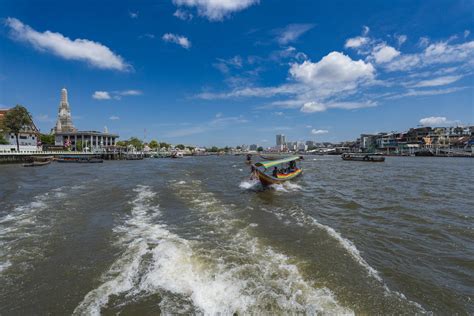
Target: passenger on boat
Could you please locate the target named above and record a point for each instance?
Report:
(275, 172)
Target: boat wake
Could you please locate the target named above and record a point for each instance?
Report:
(303, 219)
(230, 273)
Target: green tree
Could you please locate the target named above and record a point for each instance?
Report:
(153, 144)
(47, 139)
(213, 149)
(79, 145)
(180, 146)
(15, 120)
(165, 145)
(135, 142)
(121, 143)
(260, 149)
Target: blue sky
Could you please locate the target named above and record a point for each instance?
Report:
(235, 72)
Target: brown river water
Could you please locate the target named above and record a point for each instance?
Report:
(195, 236)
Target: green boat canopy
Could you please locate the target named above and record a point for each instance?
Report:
(268, 164)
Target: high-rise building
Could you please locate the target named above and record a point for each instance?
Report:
(280, 140)
(64, 122)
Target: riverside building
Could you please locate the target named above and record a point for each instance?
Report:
(65, 134)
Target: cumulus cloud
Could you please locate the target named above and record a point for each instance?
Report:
(216, 10)
(101, 95)
(94, 53)
(332, 68)
(434, 121)
(133, 15)
(383, 53)
(114, 118)
(319, 131)
(177, 39)
(292, 32)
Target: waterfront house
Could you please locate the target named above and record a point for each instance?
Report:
(28, 137)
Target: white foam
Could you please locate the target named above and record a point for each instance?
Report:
(181, 182)
(268, 279)
(248, 184)
(286, 187)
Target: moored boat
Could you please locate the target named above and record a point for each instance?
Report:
(278, 175)
(79, 159)
(363, 157)
(37, 163)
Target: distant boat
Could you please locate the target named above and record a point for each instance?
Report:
(177, 154)
(37, 163)
(79, 159)
(363, 157)
(273, 157)
(424, 153)
(279, 176)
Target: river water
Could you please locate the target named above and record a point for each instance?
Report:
(193, 235)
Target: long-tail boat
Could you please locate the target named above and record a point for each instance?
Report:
(261, 168)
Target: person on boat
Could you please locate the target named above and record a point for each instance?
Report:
(249, 158)
(275, 172)
(253, 173)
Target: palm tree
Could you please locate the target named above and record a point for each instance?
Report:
(15, 120)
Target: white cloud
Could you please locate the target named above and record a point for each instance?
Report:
(365, 30)
(422, 93)
(216, 10)
(133, 15)
(357, 42)
(129, 92)
(183, 15)
(101, 95)
(440, 81)
(313, 107)
(423, 41)
(95, 54)
(177, 39)
(466, 33)
(292, 32)
(332, 68)
(114, 118)
(319, 131)
(383, 53)
(434, 53)
(434, 121)
(106, 95)
(401, 39)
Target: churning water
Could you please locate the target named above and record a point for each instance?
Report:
(195, 236)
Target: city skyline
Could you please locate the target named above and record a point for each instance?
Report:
(205, 74)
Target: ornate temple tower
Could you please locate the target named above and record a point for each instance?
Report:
(64, 122)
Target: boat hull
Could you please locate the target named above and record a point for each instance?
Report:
(37, 163)
(266, 179)
(366, 158)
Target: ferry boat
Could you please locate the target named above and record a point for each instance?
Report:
(363, 157)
